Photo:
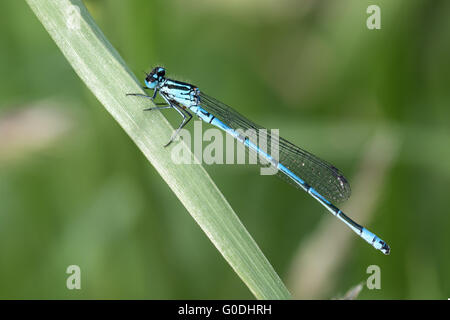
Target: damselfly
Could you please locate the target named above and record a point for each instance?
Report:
(322, 181)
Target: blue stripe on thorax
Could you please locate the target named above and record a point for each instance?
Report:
(183, 93)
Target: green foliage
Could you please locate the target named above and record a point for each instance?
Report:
(84, 194)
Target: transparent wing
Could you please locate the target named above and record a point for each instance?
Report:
(322, 176)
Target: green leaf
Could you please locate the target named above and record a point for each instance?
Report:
(105, 73)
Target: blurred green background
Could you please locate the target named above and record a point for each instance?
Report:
(75, 190)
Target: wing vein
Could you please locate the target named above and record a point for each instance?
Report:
(319, 174)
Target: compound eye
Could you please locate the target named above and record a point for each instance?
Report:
(151, 83)
(150, 78)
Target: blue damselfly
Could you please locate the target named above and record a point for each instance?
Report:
(321, 180)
